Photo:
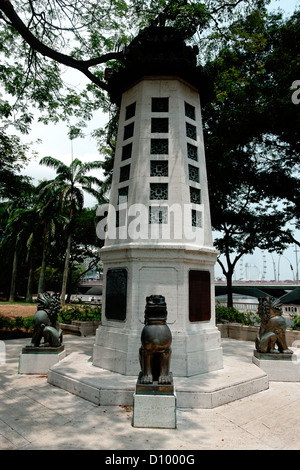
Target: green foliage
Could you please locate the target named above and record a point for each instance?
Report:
(251, 136)
(5, 323)
(69, 186)
(36, 226)
(68, 34)
(232, 315)
(296, 322)
(25, 323)
(66, 315)
(81, 313)
(13, 157)
(28, 323)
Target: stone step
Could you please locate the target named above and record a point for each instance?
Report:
(238, 378)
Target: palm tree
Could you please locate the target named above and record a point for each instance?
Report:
(48, 213)
(69, 184)
(17, 231)
(27, 225)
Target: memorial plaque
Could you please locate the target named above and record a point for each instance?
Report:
(116, 294)
(199, 296)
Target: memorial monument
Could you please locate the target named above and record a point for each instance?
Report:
(158, 238)
(158, 246)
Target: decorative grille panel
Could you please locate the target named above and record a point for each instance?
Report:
(194, 173)
(158, 215)
(159, 191)
(159, 168)
(160, 105)
(196, 218)
(159, 146)
(160, 125)
(128, 131)
(190, 111)
(192, 152)
(195, 195)
(130, 111)
(127, 151)
(124, 173)
(191, 131)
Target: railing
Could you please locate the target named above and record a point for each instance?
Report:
(252, 307)
(242, 306)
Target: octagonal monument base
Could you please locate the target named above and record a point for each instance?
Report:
(239, 378)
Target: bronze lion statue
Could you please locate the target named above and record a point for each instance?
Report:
(272, 328)
(45, 321)
(156, 338)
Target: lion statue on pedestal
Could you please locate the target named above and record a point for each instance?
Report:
(272, 328)
(156, 338)
(45, 321)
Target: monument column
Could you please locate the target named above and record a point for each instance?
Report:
(158, 229)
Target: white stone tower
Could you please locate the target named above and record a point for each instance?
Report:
(159, 238)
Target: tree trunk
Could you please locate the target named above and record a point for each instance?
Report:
(228, 274)
(66, 271)
(13, 277)
(229, 288)
(41, 286)
(30, 280)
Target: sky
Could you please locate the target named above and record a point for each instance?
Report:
(55, 142)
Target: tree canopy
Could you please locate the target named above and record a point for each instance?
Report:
(251, 137)
(40, 39)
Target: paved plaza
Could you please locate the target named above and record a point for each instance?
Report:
(35, 415)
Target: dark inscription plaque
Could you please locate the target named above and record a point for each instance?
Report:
(116, 294)
(199, 296)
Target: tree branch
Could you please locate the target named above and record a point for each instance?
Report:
(229, 5)
(81, 65)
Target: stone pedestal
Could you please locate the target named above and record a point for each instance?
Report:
(196, 345)
(279, 367)
(154, 406)
(39, 360)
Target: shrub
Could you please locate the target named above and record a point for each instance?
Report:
(232, 315)
(5, 323)
(28, 323)
(18, 323)
(82, 313)
(296, 322)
